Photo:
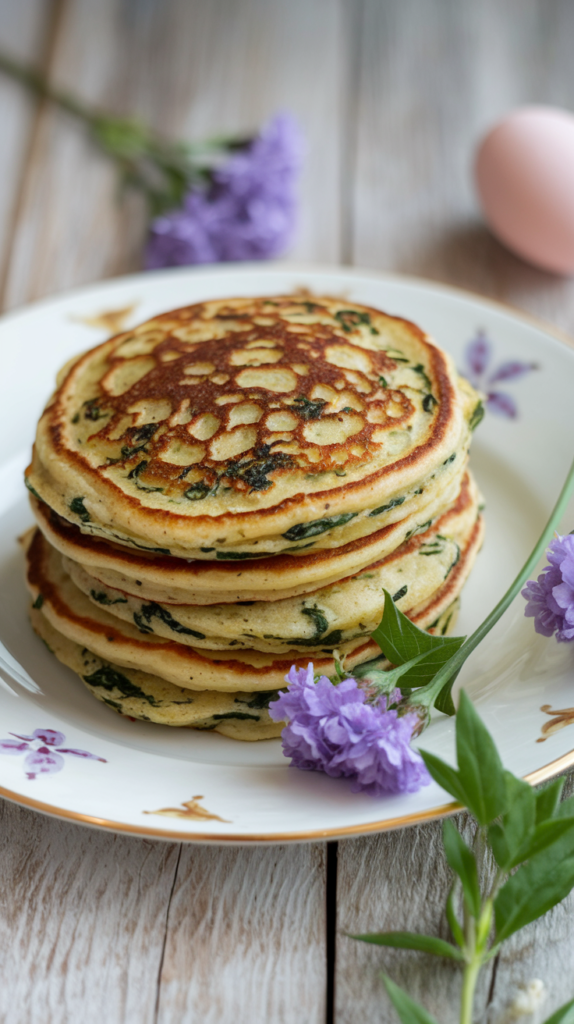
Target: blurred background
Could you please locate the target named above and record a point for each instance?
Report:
(392, 97)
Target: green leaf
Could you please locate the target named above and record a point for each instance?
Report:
(389, 679)
(409, 1012)
(510, 839)
(565, 809)
(480, 768)
(453, 921)
(425, 669)
(404, 643)
(548, 800)
(444, 701)
(565, 1015)
(410, 940)
(401, 640)
(535, 888)
(547, 834)
(122, 138)
(462, 861)
(446, 776)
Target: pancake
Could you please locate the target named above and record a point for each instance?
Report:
(328, 532)
(76, 617)
(235, 421)
(241, 716)
(329, 616)
(165, 578)
(227, 490)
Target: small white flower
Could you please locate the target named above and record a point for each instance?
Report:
(527, 999)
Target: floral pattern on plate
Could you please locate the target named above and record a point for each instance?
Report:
(43, 751)
(520, 457)
(111, 320)
(481, 374)
(561, 717)
(188, 809)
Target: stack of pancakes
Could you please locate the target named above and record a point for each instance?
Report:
(226, 491)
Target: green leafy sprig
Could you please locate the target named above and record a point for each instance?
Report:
(426, 666)
(529, 838)
(163, 170)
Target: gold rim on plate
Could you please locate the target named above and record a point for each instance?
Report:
(543, 774)
(548, 771)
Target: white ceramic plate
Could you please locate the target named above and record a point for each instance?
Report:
(182, 784)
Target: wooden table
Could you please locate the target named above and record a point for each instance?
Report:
(392, 96)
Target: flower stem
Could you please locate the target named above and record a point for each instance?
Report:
(428, 694)
(39, 84)
(469, 980)
(36, 82)
(161, 169)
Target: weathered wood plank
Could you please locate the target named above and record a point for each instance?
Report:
(82, 921)
(432, 79)
(25, 34)
(191, 69)
(246, 937)
(395, 880)
(90, 923)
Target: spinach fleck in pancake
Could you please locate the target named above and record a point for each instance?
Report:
(164, 578)
(239, 420)
(241, 716)
(74, 615)
(71, 613)
(327, 617)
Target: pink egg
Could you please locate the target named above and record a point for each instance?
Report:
(525, 180)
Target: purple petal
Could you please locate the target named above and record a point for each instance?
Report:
(248, 211)
(39, 762)
(331, 729)
(81, 753)
(49, 736)
(478, 354)
(13, 746)
(511, 370)
(550, 598)
(502, 404)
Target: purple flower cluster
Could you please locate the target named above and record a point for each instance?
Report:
(483, 376)
(550, 598)
(331, 729)
(41, 756)
(248, 212)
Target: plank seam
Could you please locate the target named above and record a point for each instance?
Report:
(492, 985)
(164, 942)
(331, 928)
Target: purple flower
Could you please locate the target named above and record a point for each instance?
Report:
(478, 357)
(43, 759)
(550, 598)
(248, 211)
(331, 729)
